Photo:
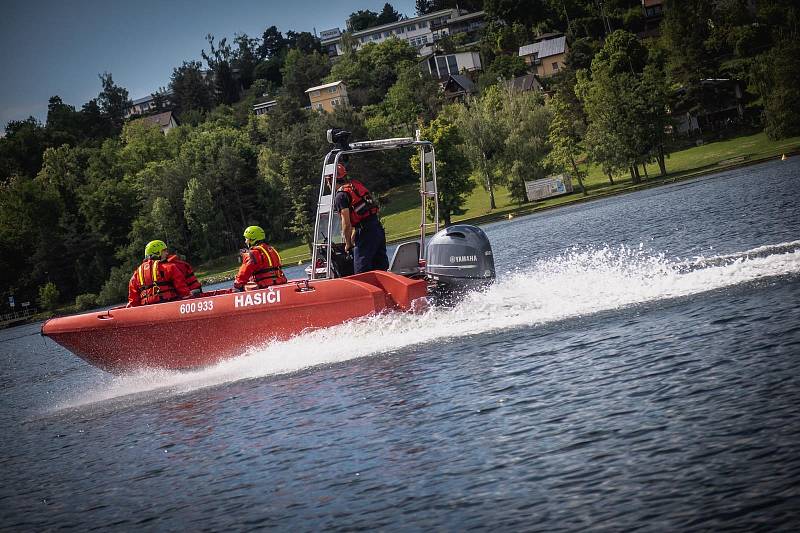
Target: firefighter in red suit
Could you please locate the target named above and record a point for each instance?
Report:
(261, 263)
(156, 280)
(192, 283)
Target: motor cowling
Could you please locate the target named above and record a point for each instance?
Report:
(460, 256)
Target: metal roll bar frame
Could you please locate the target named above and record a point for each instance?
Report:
(427, 155)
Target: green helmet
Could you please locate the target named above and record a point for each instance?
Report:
(154, 248)
(254, 233)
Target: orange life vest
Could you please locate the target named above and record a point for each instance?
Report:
(268, 266)
(153, 288)
(186, 269)
(362, 206)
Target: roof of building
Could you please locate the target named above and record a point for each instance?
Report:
(267, 104)
(524, 83)
(392, 25)
(438, 53)
(462, 81)
(161, 119)
(546, 48)
(320, 87)
(467, 16)
(143, 100)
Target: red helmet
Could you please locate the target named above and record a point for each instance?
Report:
(340, 172)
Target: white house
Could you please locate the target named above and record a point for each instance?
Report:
(421, 32)
(264, 107)
(440, 65)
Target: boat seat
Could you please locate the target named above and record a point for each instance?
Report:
(405, 260)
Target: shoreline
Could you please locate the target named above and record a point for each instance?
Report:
(511, 212)
(649, 183)
(571, 199)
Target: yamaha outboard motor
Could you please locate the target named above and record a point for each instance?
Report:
(460, 259)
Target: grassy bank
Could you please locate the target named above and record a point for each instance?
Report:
(401, 215)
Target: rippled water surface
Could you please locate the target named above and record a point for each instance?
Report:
(635, 367)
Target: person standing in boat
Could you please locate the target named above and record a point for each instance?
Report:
(156, 280)
(261, 263)
(362, 232)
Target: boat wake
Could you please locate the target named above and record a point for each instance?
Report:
(577, 283)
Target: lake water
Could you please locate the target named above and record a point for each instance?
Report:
(635, 367)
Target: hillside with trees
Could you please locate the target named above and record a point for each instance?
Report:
(84, 191)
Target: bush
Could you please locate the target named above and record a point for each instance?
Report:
(115, 290)
(86, 301)
(48, 296)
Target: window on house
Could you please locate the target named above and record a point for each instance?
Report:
(316, 93)
(387, 34)
(334, 102)
(423, 24)
(332, 89)
(452, 64)
(376, 37)
(441, 66)
(412, 27)
(401, 29)
(555, 66)
(319, 106)
(424, 39)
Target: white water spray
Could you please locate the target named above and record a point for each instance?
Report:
(578, 283)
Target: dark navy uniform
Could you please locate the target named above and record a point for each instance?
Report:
(369, 244)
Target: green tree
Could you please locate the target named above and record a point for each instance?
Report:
(113, 100)
(484, 131)
(63, 123)
(781, 70)
(686, 31)
(369, 72)
(527, 124)
(504, 67)
(415, 98)
(625, 102)
(48, 296)
(361, 20)
(303, 71)
(161, 99)
(220, 59)
(423, 7)
(199, 214)
(22, 147)
(27, 211)
(191, 91)
(270, 70)
(388, 15)
(566, 133)
(273, 44)
(304, 42)
(527, 13)
(452, 167)
(245, 59)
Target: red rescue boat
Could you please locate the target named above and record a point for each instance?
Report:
(223, 324)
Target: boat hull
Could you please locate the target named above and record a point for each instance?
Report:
(223, 324)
